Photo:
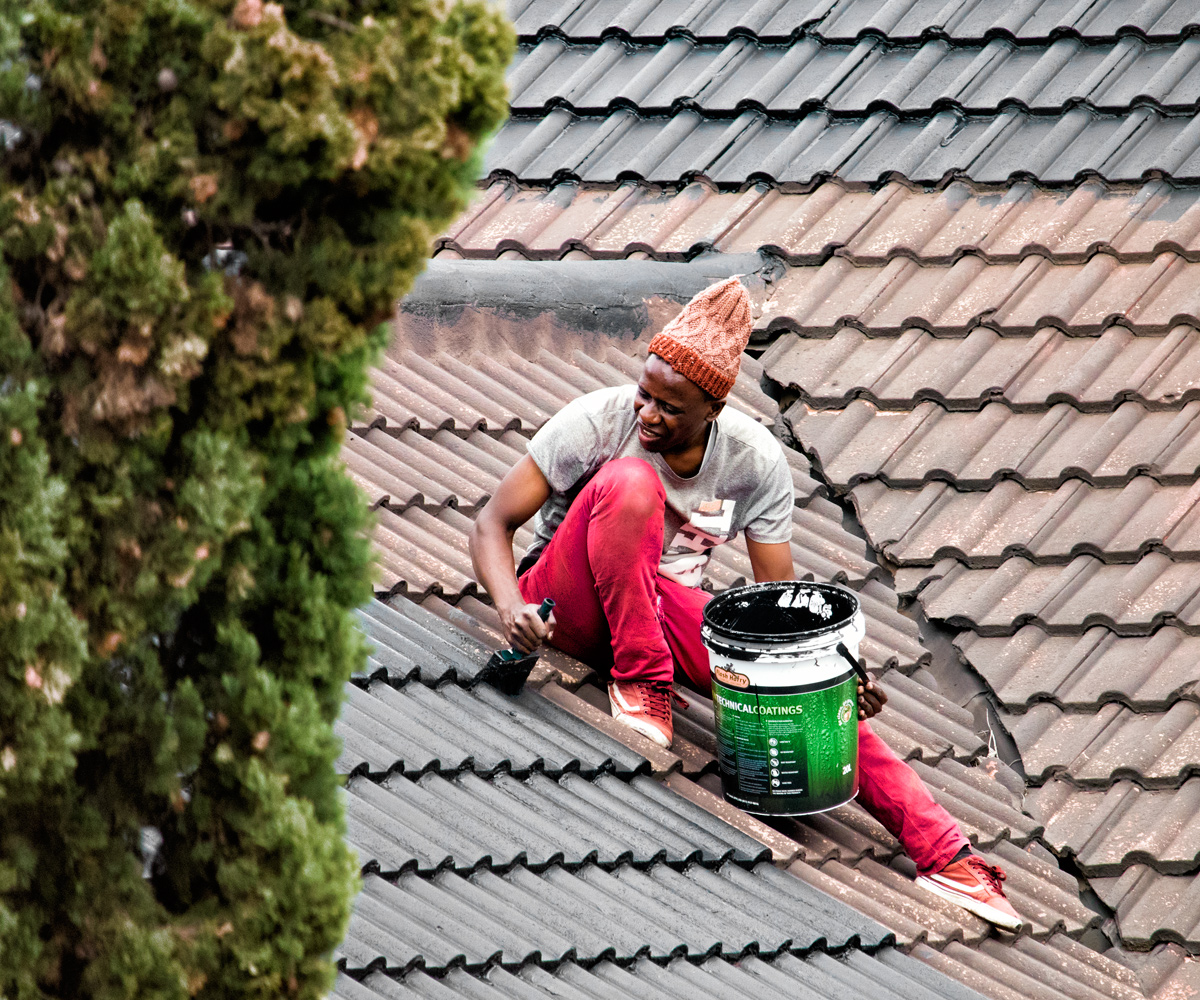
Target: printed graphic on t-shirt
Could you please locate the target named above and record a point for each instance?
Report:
(708, 525)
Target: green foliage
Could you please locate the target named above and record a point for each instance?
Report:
(206, 216)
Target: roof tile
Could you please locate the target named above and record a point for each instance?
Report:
(920, 527)
(1148, 673)
(866, 227)
(591, 914)
(906, 20)
(886, 975)
(1158, 749)
(988, 149)
(467, 821)
(1064, 600)
(1106, 830)
(1028, 373)
(414, 728)
(1013, 298)
(804, 74)
(1152, 907)
(1032, 970)
(974, 451)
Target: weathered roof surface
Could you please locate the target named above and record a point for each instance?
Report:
(886, 975)
(974, 451)
(987, 149)
(1158, 749)
(1079, 672)
(466, 821)
(864, 226)
(789, 78)
(1012, 298)
(1062, 600)
(848, 20)
(1152, 907)
(920, 527)
(1094, 374)
(1107, 830)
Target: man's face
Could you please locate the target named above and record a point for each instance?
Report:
(673, 412)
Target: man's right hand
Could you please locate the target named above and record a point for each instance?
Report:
(524, 627)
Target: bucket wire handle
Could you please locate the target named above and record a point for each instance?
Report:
(853, 661)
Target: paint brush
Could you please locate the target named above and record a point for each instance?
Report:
(508, 669)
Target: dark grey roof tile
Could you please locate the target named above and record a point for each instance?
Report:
(1157, 750)
(1107, 830)
(592, 914)
(414, 728)
(465, 822)
(847, 21)
(1148, 673)
(989, 149)
(886, 975)
(799, 75)
(420, 637)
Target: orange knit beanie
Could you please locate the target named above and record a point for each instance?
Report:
(704, 343)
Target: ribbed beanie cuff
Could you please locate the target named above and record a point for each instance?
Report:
(691, 365)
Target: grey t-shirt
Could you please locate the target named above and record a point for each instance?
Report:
(743, 483)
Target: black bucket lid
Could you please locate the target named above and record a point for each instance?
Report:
(754, 614)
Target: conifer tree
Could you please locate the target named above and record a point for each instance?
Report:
(208, 209)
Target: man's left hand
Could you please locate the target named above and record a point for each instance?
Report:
(871, 699)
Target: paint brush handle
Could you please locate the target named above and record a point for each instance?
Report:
(853, 661)
(543, 611)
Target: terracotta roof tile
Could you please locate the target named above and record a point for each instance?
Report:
(974, 451)
(1028, 373)
(1014, 299)
(1148, 673)
(1106, 830)
(1152, 907)
(1158, 750)
(920, 527)
(1064, 600)
(934, 227)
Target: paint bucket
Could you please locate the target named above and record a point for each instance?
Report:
(782, 657)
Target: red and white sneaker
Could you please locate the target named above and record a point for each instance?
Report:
(645, 707)
(974, 885)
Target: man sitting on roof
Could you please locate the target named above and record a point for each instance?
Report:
(632, 488)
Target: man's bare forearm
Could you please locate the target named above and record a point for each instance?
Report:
(492, 558)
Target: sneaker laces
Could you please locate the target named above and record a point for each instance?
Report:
(678, 700)
(656, 699)
(989, 874)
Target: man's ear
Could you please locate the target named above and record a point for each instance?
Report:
(714, 409)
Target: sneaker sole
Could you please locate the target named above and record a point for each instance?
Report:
(639, 726)
(980, 909)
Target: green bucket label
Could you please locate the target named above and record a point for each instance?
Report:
(787, 751)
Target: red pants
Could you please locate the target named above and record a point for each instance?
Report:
(616, 613)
